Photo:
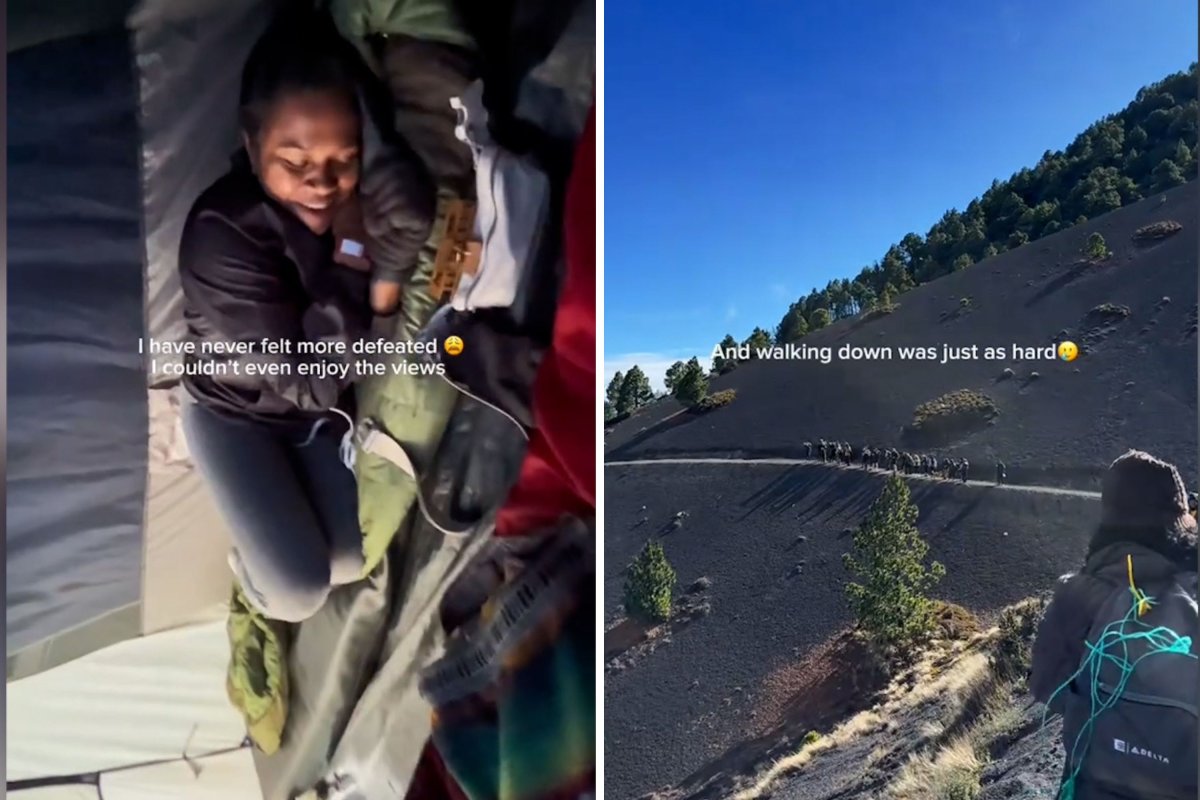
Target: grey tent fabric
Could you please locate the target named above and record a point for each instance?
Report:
(29, 24)
(77, 393)
(177, 46)
(364, 728)
(116, 124)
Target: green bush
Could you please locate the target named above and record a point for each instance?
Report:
(717, 399)
(954, 410)
(812, 737)
(890, 597)
(1096, 248)
(650, 584)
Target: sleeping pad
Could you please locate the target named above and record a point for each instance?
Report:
(413, 409)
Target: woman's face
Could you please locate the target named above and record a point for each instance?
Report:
(307, 155)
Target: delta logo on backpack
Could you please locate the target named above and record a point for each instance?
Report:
(1130, 716)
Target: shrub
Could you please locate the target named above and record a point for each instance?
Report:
(954, 621)
(964, 302)
(1107, 312)
(1033, 376)
(1157, 230)
(891, 604)
(877, 312)
(717, 399)
(1096, 248)
(1006, 374)
(650, 584)
(1018, 625)
(812, 737)
(952, 411)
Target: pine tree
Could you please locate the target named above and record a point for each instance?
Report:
(890, 602)
(635, 391)
(691, 384)
(720, 364)
(758, 339)
(612, 395)
(650, 584)
(672, 376)
(1166, 175)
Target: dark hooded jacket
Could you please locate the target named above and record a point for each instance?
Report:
(1058, 649)
(251, 271)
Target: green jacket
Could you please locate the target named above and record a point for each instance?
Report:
(430, 20)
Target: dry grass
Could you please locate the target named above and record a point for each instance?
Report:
(1157, 230)
(951, 773)
(876, 313)
(958, 673)
(953, 412)
(716, 400)
(920, 684)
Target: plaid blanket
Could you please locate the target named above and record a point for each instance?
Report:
(513, 698)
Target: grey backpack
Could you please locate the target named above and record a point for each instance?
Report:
(1144, 744)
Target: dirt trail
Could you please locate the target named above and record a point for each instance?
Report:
(778, 462)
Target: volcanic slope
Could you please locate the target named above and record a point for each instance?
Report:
(775, 596)
(1134, 385)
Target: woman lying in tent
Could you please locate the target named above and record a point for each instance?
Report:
(260, 281)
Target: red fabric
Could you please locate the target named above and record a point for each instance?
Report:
(432, 781)
(558, 474)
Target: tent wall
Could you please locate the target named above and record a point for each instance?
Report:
(112, 136)
(189, 59)
(77, 398)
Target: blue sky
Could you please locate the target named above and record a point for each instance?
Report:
(756, 150)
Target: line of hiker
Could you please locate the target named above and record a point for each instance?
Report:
(889, 458)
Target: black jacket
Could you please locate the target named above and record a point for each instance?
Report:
(251, 271)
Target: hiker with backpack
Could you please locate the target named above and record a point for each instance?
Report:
(1128, 606)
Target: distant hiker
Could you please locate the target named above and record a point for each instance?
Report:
(1144, 743)
(808, 448)
(964, 469)
(824, 448)
(1001, 474)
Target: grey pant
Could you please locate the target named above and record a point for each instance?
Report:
(290, 504)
